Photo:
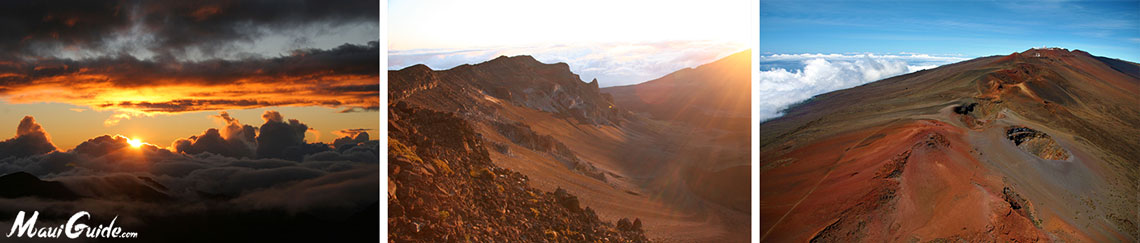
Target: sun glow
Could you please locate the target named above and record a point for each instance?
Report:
(608, 21)
(134, 142)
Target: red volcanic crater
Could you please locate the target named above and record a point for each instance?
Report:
(1035, 146)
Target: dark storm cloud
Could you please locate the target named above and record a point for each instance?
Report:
(282, 139)
(278, 138)
(32, 25)
(350, 137)
(346, 76)
(212, 141)
(38, 27)
(233, 140)
(209, 25)
(128, 71)
(191, 55)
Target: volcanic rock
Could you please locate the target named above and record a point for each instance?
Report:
(480, 202)
(948, 154)
(1036, 143)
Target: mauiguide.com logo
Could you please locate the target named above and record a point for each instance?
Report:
(73, 229)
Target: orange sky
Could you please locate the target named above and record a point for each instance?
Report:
(69, 125)
(160, 101)
(159, 71)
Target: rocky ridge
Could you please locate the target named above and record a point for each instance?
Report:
(443, 187)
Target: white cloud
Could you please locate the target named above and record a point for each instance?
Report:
(822, 73)
(611, 63)
(903, 56)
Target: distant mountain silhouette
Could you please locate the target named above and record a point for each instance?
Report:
(22, 184)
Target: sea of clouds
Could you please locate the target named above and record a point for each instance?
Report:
(786, 79)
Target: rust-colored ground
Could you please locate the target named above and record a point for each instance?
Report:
(899, 160)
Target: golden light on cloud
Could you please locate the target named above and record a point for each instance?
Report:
(345, 77)
(135, 142)
(350, 91)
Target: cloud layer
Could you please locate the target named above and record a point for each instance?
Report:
(209, 172)
(612, 64)
(786, 79)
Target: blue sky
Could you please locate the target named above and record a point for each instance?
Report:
(811, 48)
(970, 28)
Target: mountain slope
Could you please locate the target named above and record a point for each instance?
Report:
(719, 89)
(443, 186)
(542, 121)
(1037, 145)
(716, 99)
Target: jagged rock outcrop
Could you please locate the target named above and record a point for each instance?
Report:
(443, 187)
(522, 135)
(474, 92)
(520, 80)
(1036, 143)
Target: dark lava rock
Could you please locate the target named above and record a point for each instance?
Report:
(1018, 204)
(625, 225)
(965, 109)
(1037, 143)
(567, 200)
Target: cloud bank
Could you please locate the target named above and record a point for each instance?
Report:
(184, 30)
(612, 64)
(212, 173)
(786, 79)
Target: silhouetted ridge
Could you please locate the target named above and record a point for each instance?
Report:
(22, 184)
(520, 80)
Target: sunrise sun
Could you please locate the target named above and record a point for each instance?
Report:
(134, 142)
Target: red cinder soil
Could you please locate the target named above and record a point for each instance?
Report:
(918, 182)
(929, 156)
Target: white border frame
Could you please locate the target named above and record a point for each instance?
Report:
(384, 121)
